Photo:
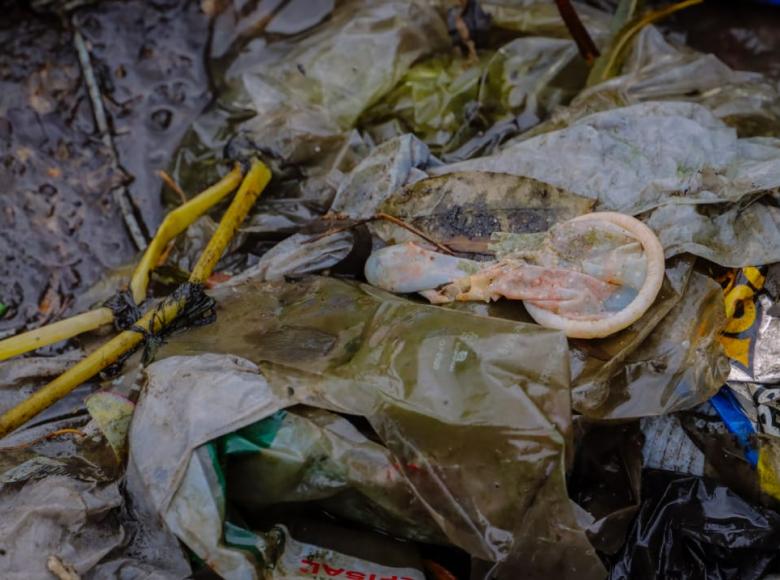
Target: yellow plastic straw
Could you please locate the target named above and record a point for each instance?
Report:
(153, 320)
(174, 223)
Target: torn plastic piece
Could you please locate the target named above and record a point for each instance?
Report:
(761, 404)
(413, 371)
(322, 550)
(737, 422)
(669, 448)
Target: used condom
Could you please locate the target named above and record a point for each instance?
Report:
(590, 276)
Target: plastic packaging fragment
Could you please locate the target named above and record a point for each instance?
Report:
(752, 336)
(657, 69)
(89, 526)
(667, 446)
(411, 370)
(688, 525)
(736, 420)
(458, 106)
(309, 559)
(752, 413)
(389, 166)
(312, 455)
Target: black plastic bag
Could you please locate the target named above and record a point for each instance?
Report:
(691, 527)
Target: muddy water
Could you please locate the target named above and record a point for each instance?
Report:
(59, 225)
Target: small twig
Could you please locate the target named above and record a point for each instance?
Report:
(169, 181)
(339, 229)
(414, 230)
(465, 36)
(578, 31)
(386, 217)
(121, 195)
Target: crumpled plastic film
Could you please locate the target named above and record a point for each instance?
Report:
(675, 158)
(439, 387)
(669, 360)
(687, 525)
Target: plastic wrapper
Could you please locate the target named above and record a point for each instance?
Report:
(667, 447)
(751, 335)
(398, 162)
(312, 455)
(693, 527)
(424, 378)
(309, 559)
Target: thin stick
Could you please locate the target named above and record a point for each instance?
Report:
(152, 322)
(414, 230)
(169, 181)
(387, 217)
(578, 31)
(121, 195)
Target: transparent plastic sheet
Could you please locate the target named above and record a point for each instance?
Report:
(312, 455)
(459, 107)
(424, 377)
(542, 18)
(667, 361)
(297, 102)
(388, 167)
(656, 70)
(37, 451)
(687, 525)
(664, 155)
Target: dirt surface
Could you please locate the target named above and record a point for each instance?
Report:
(60, 227)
